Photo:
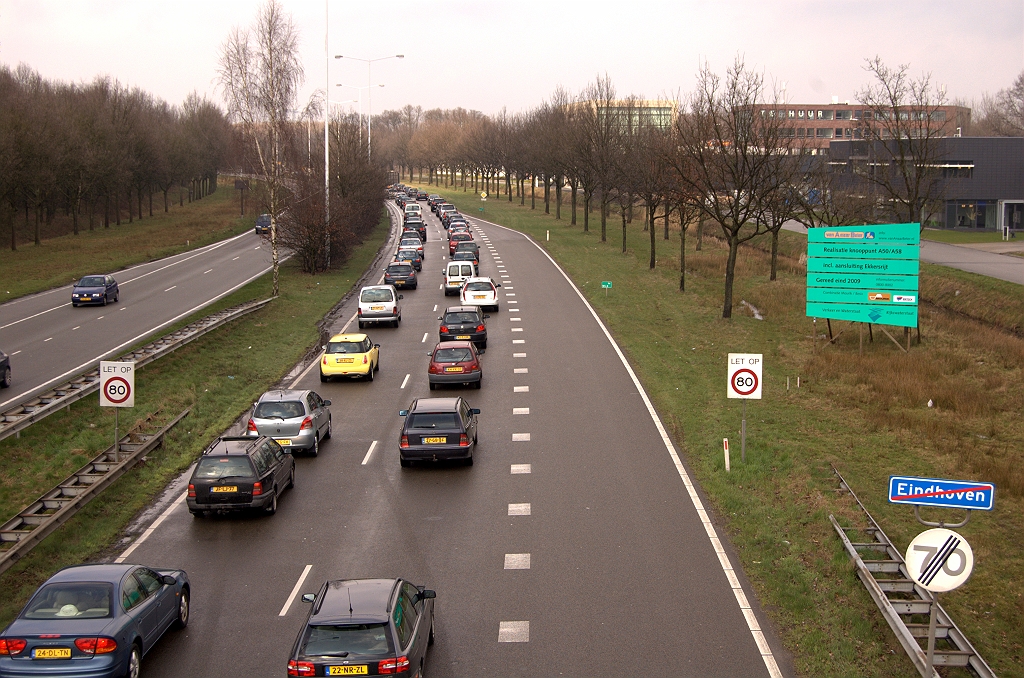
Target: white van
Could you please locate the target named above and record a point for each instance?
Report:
(456, 273)
(414, 208)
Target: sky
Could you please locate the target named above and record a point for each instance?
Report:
(488, 55)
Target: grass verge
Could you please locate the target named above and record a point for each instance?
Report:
(218, 376)
(58, 261)
(960, 237)
(865, 414)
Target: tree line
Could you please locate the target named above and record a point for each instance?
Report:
(98, 153)
(716, 156)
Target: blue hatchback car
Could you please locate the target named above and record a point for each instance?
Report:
(94, 621)
(95, 289)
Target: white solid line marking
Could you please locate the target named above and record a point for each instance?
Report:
(17, 352)
(170, 288)
(149, 530)
(520, 410)
(518, 355)
(235, 258)
(295, 591)
(514, 632)
(46, 340)
(520, 469)
(520, 437)
(521, 370)
(517, 561)
(207, 271)
(519, 341)
(435, 308)
(520, 389)
(424, 339)
(405, 381)
(519, 509)
(517, 329)
(369, 453)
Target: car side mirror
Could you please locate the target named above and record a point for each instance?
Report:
(376, 345)
(308, 597)
(487, 316)
(498, 285)
(401, 296)
(475, 410)
(327, 403)
(168, 580)
(425, 594)
(403, 413)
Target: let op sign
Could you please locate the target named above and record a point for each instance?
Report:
(864, 273)
(745, 375)
(117, 384)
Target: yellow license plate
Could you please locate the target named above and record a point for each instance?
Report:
(224, 488)
(284, 442)
(346, 670)
(345, 360)
(376, 308)
(51, 653)
(453, 369)
(479, 296)
(462, 336)
(433, 441)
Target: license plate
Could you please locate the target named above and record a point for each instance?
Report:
(284, 442)
(345, 360)
(453, 369)
(346, 670)
(51, 653)
(224, 488)
(462, 336)
(376, 308)
(479, 296)
(433, 441)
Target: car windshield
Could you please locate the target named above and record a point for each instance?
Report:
(462, 317)
(345, 347)
(354, 639)
(66, 600)
(92, 281)
(401, 268)
(215, 468)
(369, 296)
(286, 409)
(452, 355)
(479, 287)
(434, 420)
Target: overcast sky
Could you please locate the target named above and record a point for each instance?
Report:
(487, 55)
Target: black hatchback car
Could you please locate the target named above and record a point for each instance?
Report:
(365, 627)
(237, 473)
(438, 429)
(400, 274)
(463, 323)
(95, 289)
(5, 370)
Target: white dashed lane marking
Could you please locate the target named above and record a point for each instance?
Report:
(405, 381)
(517, 329)
(519, 509)
(514, 632)
(520, 370)
(170, 288)
(520, 437)
(518, 355)
(520, 389)
(295, 591)
(517, 561)
(435, 308)
(520, 410)
(73, 328)
(47, 339)
(369, 453)
(510, 294)
(520, 469)
(17, 352)
(424, 339)
(235, 258)
(207, 271)
(519, 341)
(515, 320)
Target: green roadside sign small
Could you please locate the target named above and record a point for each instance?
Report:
(606, 284)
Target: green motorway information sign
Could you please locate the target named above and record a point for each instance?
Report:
(864, 273)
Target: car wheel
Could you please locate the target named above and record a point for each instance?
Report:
(5, 380)
(369, 375)
(117, 296)
(432, 386)
(377, 366)
(183, 610)
(271, 508)
(104, 300)
(430, 638)
(197, 514)
(484, 344)
(134, 667)
(478, 383)
(315, 450)
(256, 231)
(330, 427)
(405, 463)
(469, 462)
(324, 378)
(291, 478)
(362, 325)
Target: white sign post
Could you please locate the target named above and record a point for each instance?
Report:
(117, 390)
(939, 560)
(744, 382)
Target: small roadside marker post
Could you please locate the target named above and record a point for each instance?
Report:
(744, 382)
(606, 285)
(725, 444)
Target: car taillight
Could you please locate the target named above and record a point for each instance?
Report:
(251, 426)
(359, 311)
(325, 360)
(433, 369)
(307, 423)
(296, 668)
(393, 665)
(480, 328)
(444, 329)
(405, 441)
(364, 360)
(96, 645)
(472, 367)
(257, 489)
(12, 646)
(191, 490)
(394, 311)
(463, 440)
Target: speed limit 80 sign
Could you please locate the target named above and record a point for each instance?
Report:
(117, 384)
(745, 375)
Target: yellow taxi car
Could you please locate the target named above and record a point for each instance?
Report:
(350, 355)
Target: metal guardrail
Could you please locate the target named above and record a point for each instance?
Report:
(900, 598)
(37, 520)
(25, 414)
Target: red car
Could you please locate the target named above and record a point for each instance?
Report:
(455, 362)
(456, 239)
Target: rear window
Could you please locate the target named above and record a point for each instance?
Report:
(465, 255)
(411, 243)
(78, 600)
(345, 347)
(92, 281)
(342, 640)
(431, 420)
(287, 409)
(408, 254)
(400, 268)
(452, 355)
(467, 246)
(215, 468)
(460, 236)
(479, 287)
(461, 317)
(369, 296)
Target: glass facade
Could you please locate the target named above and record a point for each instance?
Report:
(972, 214)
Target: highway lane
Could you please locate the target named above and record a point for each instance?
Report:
(49, 340)
(620, 578)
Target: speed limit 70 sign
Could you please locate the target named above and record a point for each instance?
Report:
(745, 375)
(117, 384)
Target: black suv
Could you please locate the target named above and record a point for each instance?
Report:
(463, 323)
(438, 429)
(238, 473)
(365, 627)
(415, 223)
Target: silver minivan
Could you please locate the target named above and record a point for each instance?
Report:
(379, 304)
(296, 420)
(456, 273)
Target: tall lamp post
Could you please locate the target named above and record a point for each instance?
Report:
(360, 90)
(369, 94)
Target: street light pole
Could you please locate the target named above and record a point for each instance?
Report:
(369, 108)
(360, 90)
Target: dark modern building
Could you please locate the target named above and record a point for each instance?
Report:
(984, 179)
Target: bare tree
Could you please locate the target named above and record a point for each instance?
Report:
(1006, 110)
(260, 74)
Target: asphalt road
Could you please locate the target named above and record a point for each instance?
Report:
(49, 340)
(623, 577)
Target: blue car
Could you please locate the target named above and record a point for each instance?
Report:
(94, 621)
(95, 289)
(263, 224)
